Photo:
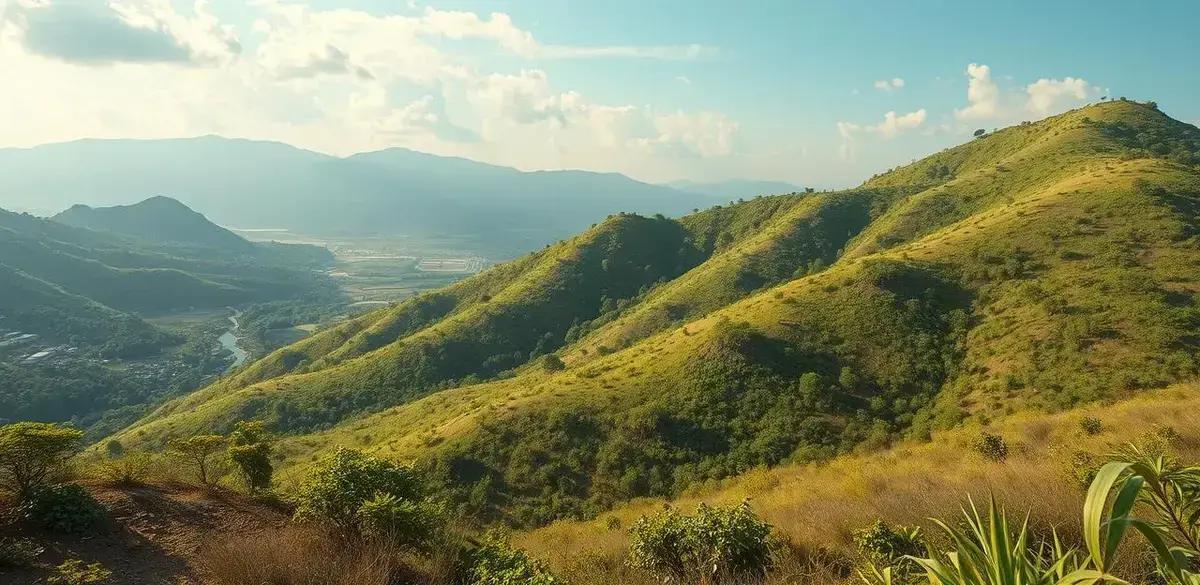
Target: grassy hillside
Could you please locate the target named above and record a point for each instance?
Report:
(1040, 267)
(157, 219)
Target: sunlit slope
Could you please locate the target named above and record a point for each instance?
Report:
(481, 327)
(1040, 267)
(1074, 287)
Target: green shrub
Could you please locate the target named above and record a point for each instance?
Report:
(66, 508)
(714, 543)
(991, 446)
(496, 562)
(18, 552)
(1091, 425)
(882, 545)
(126, 468)
(405, 522)
(359, 495)
(33, 455)
(76, 572)
(250, 450)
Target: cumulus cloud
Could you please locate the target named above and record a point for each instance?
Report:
(1050, 95)
(987, 101)
(889, 84)
(983, 95)
(137, 31)
(892, 125)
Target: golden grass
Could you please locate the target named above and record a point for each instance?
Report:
(817, 506)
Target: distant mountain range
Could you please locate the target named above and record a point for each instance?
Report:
(248, 184)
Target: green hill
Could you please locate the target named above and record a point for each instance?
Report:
(158, 219)
(1038, 267)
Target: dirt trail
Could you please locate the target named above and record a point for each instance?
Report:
(152, 535)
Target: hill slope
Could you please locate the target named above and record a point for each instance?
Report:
(1042, 266)
(157, 219)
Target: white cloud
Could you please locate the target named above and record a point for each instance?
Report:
(892, 125)
(983, 95)
(889, 84)
(987, 101)
(1050, 95)
(683, 79)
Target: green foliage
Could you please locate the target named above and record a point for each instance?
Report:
(126, 468)
(882, 545)
(496, 562)
(76, 572)
(991, 446)
(198, 454)
(358, 495)
(17, 552)
(250, 450)
(32, 455)
(66, 508)
(713, 544)
(409, 523)
(1091, 425)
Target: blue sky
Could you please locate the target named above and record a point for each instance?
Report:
(659, 90)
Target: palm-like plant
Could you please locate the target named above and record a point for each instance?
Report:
(987, 551)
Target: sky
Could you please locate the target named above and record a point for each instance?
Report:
(821, 93)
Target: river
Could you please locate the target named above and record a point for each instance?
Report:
(229, 341)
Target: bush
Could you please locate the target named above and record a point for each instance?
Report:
(33, 455)
(76, 572)
(66, 508)
(991, 446)
(18, 552)
(401, 521)
(496, 562)
(126, 469)
(358, 495)
(714, 543)
(1091, 425)
(884, 546)
(250, 450)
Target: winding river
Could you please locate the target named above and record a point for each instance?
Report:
(229, 341)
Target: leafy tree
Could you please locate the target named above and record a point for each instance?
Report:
(198, 452)
(32, 455)
(250, 450)
(979, 132)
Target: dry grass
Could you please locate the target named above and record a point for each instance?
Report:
(815, 507)
(298, 555)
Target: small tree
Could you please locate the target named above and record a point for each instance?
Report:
(33, 455)
(197, 452)
(713, 544)
(979, 132)
(250, 449)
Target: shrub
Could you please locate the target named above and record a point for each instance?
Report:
(66, 508)
(357, 495)
(495, 562)
(76, 572)
(404, 522)
(18, 552)
(197, 453)
(250, 450)
(126, 469)
(884, 546)
(1091, 425)
(33, 455)
(991, 446)
(714, 543)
